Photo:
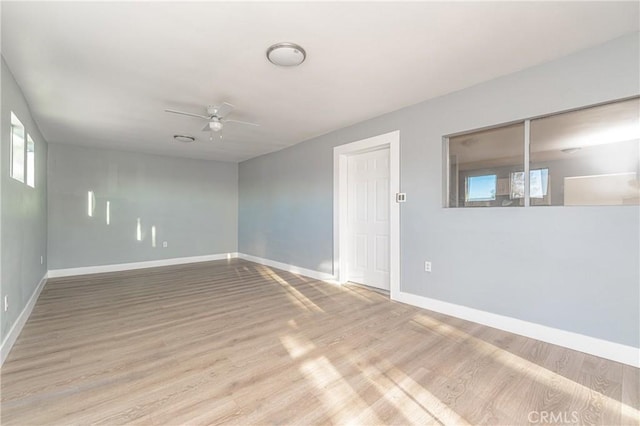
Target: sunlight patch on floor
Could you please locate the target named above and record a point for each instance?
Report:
(297, 346)
(295, 296)
(336, 394)
(523, 366)
(404, 393)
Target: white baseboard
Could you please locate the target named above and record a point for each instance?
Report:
(290, 268)
(579, 342)
(17, 326)
(84, 270)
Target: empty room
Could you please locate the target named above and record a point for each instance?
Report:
(302, 213)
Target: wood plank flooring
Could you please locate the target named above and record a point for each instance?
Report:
(233, 342)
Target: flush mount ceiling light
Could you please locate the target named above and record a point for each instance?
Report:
(286, 54)
(184, 138)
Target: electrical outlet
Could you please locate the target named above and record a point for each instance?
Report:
(6, 303)
(164, 244)
(427, 266)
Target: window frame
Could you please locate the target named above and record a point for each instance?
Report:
(16, 123)
(446, 169)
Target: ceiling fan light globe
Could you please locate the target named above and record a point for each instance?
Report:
(215, 126)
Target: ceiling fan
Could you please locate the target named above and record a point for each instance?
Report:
(215, 117)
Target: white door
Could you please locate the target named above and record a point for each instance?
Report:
(368, 218)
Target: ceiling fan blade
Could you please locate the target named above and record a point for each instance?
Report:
(186, 113)
(241, 122)
(206, 128)
(223, 109)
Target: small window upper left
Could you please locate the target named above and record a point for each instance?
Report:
(16, 167)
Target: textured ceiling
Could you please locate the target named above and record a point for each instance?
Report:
(102, 73)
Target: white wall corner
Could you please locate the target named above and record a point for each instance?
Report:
(568, 339)
(16, 329)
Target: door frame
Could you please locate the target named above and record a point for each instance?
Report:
(341, 153)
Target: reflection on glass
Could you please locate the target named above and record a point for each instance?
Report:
(539, 184)
(481, 188)
(481, 165)
(592, 155)
(608, 189)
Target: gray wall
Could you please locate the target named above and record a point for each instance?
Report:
(573, 268)
(23, 212)
(192, 203)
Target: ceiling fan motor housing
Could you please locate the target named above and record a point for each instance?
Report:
(215, 124)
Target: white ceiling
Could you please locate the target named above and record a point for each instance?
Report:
(102, 73)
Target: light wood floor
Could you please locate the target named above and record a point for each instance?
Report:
(239, 343)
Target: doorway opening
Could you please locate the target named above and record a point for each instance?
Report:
(366, 214)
